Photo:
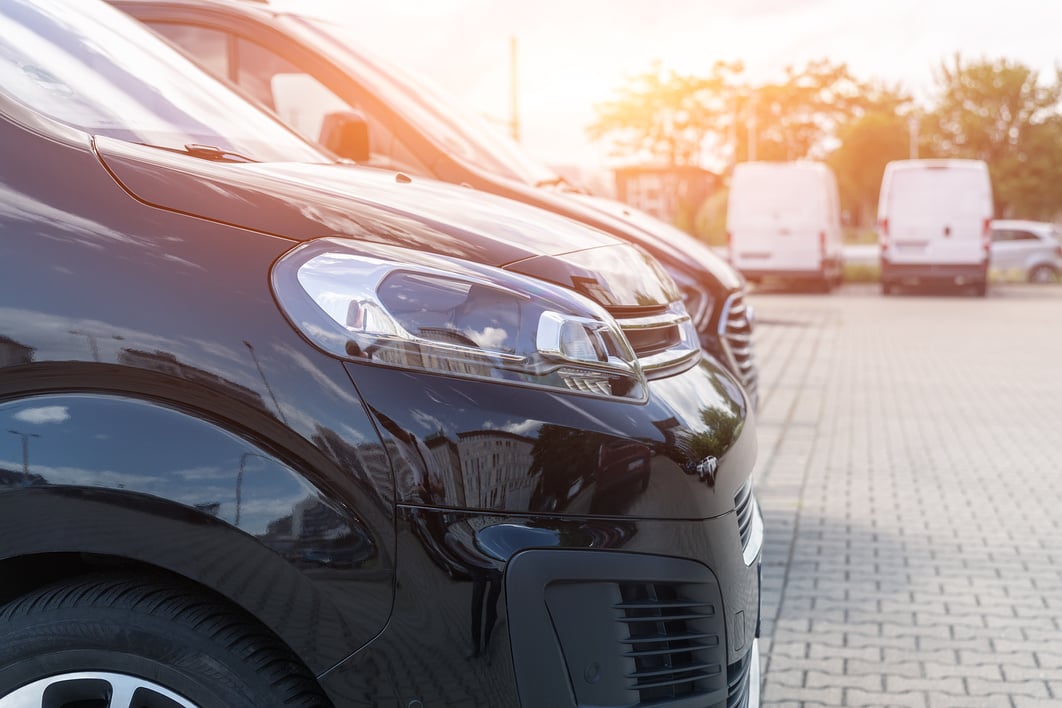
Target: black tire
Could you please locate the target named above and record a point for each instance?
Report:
(887, 288)
(1043, 274)
(981, 289)
(168, 637)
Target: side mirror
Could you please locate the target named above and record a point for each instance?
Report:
(346, 133)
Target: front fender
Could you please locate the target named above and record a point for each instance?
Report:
(129, 478)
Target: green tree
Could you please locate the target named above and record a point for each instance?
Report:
(867, 144)
(794, 117)
(666, 116)
(1004, 113)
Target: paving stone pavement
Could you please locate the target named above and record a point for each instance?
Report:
(910, 475)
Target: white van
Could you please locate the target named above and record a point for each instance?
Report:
(783, 220)
(935, 223)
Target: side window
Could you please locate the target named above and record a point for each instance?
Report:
(1001, 235)
(302, 101)
(1025, 236)
(207, 47)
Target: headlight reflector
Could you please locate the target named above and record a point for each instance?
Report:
(470, 321)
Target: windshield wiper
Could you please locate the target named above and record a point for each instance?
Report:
(560, 183)
(216, 154)
(205, 152)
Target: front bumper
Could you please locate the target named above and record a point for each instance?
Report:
(492, 480)
(525, 612)
(958, 273)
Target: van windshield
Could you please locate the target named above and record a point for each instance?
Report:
(97, 70)
(440, 118)
(770, 196)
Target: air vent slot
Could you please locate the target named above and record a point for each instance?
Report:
(675, 641)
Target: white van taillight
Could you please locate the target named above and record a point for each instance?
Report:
(986, 238)
(883, 236)
(885, 228)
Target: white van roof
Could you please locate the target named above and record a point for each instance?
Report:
(936, 164)
(796, 166)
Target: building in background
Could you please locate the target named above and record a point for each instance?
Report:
(672, 194)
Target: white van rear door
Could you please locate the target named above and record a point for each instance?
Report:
(937, 214)
(774, 219)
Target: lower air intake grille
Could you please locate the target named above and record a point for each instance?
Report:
(674, 639)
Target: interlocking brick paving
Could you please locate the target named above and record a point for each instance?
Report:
(910, 474)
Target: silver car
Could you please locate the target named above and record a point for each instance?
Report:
(1033, 248)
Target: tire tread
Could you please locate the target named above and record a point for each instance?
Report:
(191, 607)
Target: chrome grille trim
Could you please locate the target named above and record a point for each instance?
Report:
(735, 334)
(687, 348)
(749, 521)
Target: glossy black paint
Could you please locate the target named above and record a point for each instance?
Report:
(684, 256)
(364, 515)
(456, 651)
(165, 329)
(310, 201)
(483, 446)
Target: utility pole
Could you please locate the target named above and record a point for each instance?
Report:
(751, 126)
(514, 108)
(25, 448)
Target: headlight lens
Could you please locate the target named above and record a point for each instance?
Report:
(471, 322)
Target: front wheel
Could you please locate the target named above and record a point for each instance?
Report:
(128, 642)
(1043, 274)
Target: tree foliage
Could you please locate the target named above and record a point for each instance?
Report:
(867, 144)
(1002, 112)
(999, 111)
(664, 115)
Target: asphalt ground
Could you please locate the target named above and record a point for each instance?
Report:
(910, 475)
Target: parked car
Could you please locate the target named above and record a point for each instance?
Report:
(1033, 248)
(311, 72)
(934, 223)
(783, 221)
(274, 430)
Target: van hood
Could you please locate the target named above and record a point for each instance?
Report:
(303, 202)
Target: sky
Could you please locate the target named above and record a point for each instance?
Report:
(575, 53)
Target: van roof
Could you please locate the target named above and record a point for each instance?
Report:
(937, 164)
(808, 165)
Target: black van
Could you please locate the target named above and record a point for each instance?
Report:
(289, 434)
(312, 74)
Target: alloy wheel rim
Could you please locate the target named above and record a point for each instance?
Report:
(1044, 275)
(95, 689)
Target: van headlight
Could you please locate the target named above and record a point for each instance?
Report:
(466, 321)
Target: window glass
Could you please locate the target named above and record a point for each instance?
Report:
(1025, 236)
(209, 47)
(96, 69)
(1001, 235)
(464, 134)
(302, 101)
